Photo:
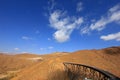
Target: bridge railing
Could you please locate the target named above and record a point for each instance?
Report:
(84, 72)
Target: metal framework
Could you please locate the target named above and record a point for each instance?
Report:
(84, 72)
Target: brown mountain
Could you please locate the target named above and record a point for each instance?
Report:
(11, 63)
(106, 59)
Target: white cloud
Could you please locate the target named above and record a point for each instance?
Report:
(51, 5)
(26, 38)
(113, 15)
(79, 6)
(85, 30)
(115, 8)
(115, 36)
(24, 52)
(62, 35)
(42, 49)
(50, 47)
(16, 49)
(63, 24)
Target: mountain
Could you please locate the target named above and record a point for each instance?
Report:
(12, 63)
(107, 59)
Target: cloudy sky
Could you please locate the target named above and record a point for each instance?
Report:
(45, 26)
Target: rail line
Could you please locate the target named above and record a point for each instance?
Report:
(84, 72)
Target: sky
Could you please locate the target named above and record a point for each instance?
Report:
(47, 26)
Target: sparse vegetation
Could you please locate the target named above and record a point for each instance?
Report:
(51, 68)
(57, 75)
(8, 76)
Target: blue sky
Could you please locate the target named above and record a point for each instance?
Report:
(46, 26)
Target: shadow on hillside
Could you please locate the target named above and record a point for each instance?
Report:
(57, 75)
(8, 77)
(112, 51)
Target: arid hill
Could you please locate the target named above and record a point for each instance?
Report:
(11, 63)
(107, 59)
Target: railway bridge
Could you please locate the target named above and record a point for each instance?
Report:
(83, 72)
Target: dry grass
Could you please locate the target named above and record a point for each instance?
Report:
(57, 75)
(13, 62)
(10, 64)
(51, 68)
(8, 75)
(57, 71)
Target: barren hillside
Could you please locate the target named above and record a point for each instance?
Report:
(10, 63)
(106, 59)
